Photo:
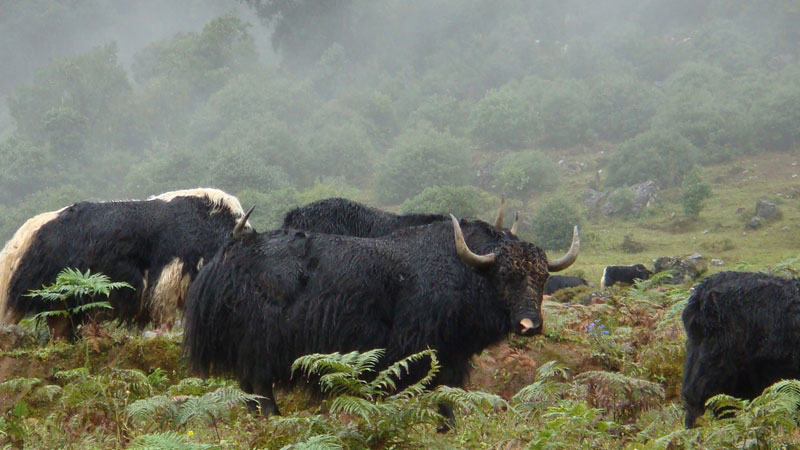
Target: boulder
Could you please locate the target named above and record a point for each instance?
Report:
(767, 210)
(644, 194)
(592, 198)
(754, 223)
(683, 269)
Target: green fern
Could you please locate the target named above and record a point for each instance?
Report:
(71, 283)
(382, 413)
(544, 390)
(166, 441)
(619, 395)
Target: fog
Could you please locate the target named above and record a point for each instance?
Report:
(410, 105)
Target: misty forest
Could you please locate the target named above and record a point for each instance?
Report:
(667, 130)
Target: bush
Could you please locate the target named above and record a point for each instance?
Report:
(461, 201)
(621, 107)
(343, 150)
(270, 206)
(525, 172)
(553, 224)
(503, 119)
(237, 171)
(421, 157)
(694, 191)
(658, 154)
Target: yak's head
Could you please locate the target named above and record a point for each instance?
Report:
(520, 270)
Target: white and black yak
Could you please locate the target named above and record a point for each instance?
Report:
(624, 274)
(156, 245)
(743, 332)
(266, 299)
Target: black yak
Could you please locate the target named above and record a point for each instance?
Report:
(266, 299)
(557, 282)
(624, 274)
(156, 245)
(348, 218)
(743, 332)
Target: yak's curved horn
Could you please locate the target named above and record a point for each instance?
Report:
(566, 260)
(237, 230)
(515, 225)
(498, 221)
(465, 253)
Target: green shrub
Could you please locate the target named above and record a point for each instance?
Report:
(503, 119)
(621, 107)
(694, 191)
(658, 154)
(343, 150)
(461, 201)
(553, 224)
(525, 172)
(271, 206)
(421, 157)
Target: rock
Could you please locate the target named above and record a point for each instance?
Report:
(785, 229)
(592, 197)
(717, 262)
(754, 223)
(767, 210)
(644, 194)
(683, 269)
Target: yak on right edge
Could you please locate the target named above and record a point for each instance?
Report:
(743, 332)
(268, 298)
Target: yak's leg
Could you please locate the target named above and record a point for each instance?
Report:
(267, 401)
(446, 410)
(60, 328)
(264, 405)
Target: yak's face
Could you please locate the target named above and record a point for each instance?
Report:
(520, 271)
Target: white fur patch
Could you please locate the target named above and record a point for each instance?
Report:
(603, 280)
(220, 199)
(12, 255)
(168, 294)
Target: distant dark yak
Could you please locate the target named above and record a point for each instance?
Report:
(557, 282)
(743, 334)
(156, 245)
(624, 274)
(267, 298)
(348, 218)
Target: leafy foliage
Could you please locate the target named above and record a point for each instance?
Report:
(553, 224)
(83, 287)
(694, 191)
(461, 201)
(525, 172)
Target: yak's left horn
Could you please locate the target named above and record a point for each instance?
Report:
(515, 225)
(566, 260)
(237, 230)
(498, 221)
(465, 253)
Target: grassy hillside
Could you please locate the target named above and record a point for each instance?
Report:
(616, 382)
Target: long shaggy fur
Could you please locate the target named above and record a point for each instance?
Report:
(743, 333)
(348, 218)
(266, 299)
(155, 245)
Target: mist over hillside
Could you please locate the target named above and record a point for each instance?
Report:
(410, 105)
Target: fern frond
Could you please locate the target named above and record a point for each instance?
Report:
(318, 442)
(48, 392)
(72, 375)
(19, 384)
(166, 441)
(356, 406)
(87, 306)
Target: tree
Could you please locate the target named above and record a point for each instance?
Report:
(421, 157)
(553, 224)
(658, 154)
(694, 191)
